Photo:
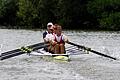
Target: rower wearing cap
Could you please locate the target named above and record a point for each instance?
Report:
(47, 35)
(49, 29)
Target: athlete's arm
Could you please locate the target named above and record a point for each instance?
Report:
(65, 38)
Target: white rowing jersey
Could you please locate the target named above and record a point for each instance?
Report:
(53, 37)
(60, 38)
(49, 37)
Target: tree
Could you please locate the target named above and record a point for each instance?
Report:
(8, 9)
(27, 13)
(106, 13)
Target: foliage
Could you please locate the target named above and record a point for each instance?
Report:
(8, 9)
(106, 13)
(111, 22)
(72, 14)
(27, 13)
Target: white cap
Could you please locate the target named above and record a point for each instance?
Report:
(50, 24)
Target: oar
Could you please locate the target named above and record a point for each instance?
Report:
(89, 49)
(17, 52)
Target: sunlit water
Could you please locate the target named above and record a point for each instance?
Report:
(82, 67)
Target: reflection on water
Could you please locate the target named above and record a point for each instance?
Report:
(83, 67)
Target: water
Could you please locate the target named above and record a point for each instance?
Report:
(82, 67)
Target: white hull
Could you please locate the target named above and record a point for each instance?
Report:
(41, 52)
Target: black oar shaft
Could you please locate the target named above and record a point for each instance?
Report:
(88, 49)
(80, 46)
(102, 54)
(38, 44)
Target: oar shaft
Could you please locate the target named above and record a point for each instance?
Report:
(80, 46)
(38, 44)
(102, 54)
(88, 49)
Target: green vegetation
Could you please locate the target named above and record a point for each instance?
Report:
(72, 14)
(106, 13)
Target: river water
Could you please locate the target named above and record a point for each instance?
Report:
(82, 67)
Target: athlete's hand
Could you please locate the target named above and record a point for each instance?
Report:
(66, 40)
(54, 43)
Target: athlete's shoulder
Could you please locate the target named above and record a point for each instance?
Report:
(44, 34)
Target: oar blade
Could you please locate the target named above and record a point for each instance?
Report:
(10, 52)
(11, 55)
(17, 52)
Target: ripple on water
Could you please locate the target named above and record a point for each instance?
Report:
(83, 67)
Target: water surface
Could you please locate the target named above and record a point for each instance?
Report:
(82, 67)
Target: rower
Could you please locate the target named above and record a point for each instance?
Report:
(49, 29)
(59, 41)
(47, 35)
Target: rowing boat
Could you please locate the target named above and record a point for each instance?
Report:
(74, 50)
(71, 50)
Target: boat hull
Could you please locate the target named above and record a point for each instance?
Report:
(62, 57)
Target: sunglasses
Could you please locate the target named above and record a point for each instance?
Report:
(49, 25)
